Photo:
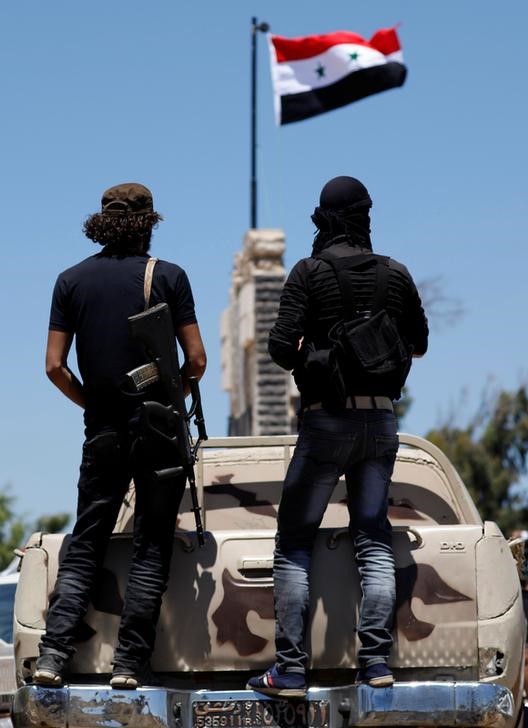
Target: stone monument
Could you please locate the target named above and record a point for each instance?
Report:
(259, 390)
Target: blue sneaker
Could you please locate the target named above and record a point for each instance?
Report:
(282, 685)
(377, 676)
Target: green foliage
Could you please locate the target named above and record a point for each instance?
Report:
(402, 406)
(491, 456)
(13, 530)
(52, 524)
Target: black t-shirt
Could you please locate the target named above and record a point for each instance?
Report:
(93, 300)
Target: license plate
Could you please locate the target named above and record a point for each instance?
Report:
(261, 714)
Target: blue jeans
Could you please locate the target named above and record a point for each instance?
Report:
(110, 459)
(362, 445)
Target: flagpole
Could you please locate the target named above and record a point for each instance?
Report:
(263, 28)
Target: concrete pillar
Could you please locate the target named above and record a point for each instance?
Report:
(258, 388)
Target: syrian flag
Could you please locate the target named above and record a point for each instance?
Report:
(318, 73)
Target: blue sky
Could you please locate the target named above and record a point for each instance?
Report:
(102, 92)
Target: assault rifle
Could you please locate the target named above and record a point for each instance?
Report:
(171, 422)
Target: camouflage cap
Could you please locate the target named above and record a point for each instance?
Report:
(126, 198)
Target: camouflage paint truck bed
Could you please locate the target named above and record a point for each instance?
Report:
(459, 627)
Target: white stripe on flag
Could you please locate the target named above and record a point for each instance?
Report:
(291, 77)
(273, 65)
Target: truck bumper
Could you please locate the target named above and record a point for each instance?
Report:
(406, 704)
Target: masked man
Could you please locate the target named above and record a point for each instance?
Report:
(352, 433)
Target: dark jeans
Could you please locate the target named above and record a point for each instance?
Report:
(361, 444)
(110, 459)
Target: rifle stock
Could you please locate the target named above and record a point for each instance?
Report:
(169, 421)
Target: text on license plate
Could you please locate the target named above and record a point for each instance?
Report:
(261, 714)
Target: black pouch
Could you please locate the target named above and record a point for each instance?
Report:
(323, 373)
(374, 344)
(370, 348)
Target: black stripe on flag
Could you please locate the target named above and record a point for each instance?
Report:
(357, 85)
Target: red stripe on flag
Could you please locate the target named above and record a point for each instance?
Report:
(297, 49)
(386, 41)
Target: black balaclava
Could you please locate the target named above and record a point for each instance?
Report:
(343, 212)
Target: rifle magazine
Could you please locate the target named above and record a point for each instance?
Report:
(141, 377)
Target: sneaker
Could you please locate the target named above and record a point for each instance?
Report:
(130, 678)
(123, 680)
(283, 685)
(50, 669)
(377, 676)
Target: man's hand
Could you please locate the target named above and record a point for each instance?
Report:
(59, 343)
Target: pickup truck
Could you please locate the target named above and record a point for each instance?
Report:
(458, 632)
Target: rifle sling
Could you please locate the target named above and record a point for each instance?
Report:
(147, 285)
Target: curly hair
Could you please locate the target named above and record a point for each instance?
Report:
(124, 233)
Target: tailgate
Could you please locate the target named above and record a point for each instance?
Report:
(436, 609)
(218, 611)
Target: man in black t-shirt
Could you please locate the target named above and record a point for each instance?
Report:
(91, 303)
(354, 435)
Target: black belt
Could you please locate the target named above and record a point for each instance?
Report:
(360, 402)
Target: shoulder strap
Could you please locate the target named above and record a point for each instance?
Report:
(340, 267)
(382, 284)
(147, 285)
